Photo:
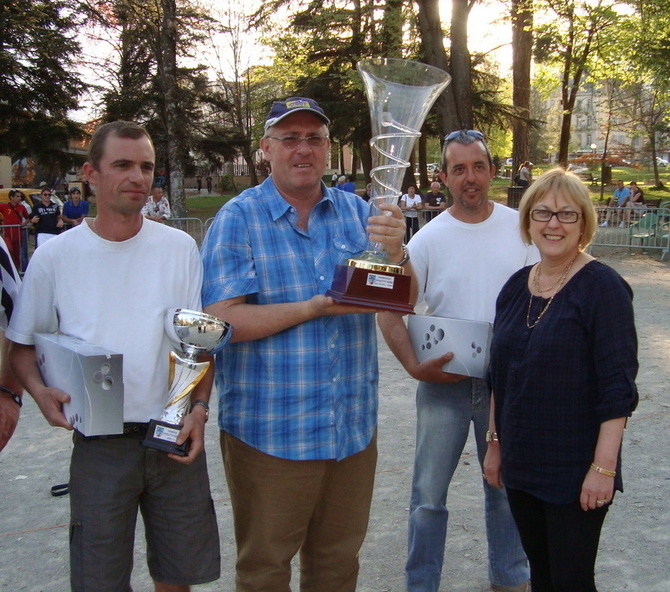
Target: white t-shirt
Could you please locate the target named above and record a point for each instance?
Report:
(462, 267)
(114, 294)
(411, 200)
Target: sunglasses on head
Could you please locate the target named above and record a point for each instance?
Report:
(458, 133)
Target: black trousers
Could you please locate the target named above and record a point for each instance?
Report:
(411, 227)
(560, 541)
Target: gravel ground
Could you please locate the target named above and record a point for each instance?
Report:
(634, 546)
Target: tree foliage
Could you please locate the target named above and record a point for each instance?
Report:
(571, 40)
(39, 79)
(150, 84)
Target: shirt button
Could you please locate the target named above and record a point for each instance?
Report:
(343, 247)
(322, 278)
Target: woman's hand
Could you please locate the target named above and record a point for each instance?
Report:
(492, 462)
(597, 490)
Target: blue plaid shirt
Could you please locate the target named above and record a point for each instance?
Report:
(309, 392)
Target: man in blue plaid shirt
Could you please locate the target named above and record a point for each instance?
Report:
(298, 384)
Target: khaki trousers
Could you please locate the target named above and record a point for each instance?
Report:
(280, 507)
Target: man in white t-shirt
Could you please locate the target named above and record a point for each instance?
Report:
(461, 260)
(121, 275)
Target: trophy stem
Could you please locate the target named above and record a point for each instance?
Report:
(184, 375)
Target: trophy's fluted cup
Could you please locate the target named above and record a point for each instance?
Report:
(400, 93)
(195, 333)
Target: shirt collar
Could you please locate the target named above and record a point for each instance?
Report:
(279, 206)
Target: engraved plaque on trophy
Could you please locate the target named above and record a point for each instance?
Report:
(196, 333)
(400, 93)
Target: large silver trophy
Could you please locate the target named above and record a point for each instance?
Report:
(196, 333)
(400, 93)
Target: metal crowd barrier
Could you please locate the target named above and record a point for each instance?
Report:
(192, 226)
(18, 234)
(634, 228)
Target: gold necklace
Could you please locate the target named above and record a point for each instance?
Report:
(536, 280)
(558, 285)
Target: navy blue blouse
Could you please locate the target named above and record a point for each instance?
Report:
(556, 383)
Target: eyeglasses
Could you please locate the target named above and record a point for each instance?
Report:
(472, 133)
(292, 142)
(564, 216)
(47, 194)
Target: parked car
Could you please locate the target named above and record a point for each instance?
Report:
(661, 162)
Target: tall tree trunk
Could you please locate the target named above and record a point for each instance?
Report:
(432, 38)
(460, 62)
(366, 160)
(522, 44)
(175, 151)
(424, 181)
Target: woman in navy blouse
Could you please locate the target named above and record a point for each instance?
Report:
(562, 371)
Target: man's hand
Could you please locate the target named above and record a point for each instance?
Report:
(321, 306)
(193, 429)
(9, 417)
(389, 230)
(50, 401)
(431, 370)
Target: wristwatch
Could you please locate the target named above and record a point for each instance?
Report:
(202, 404)
(17, 398)
(491, 436)
(405, 256)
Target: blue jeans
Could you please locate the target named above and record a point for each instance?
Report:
(444, 413)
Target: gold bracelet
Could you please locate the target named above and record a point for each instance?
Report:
(602, 471)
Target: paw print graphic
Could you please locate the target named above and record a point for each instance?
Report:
(476, 349)
(432, 337)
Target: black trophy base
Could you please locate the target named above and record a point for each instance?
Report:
(368, 288)
(162, 435)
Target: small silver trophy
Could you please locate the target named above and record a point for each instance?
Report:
(196, 333)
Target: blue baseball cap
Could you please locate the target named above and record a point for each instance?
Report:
(281, 109)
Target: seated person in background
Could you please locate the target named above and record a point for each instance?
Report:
(368, 192)
(636, 195)
(157, 207)
(434, 202)
(74, 209)
(619, 199)
(636, 201)
(351, 185)
(348, 184)
(410, 203)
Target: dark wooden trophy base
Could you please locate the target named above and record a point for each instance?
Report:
(372, 285)
(161, 435)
